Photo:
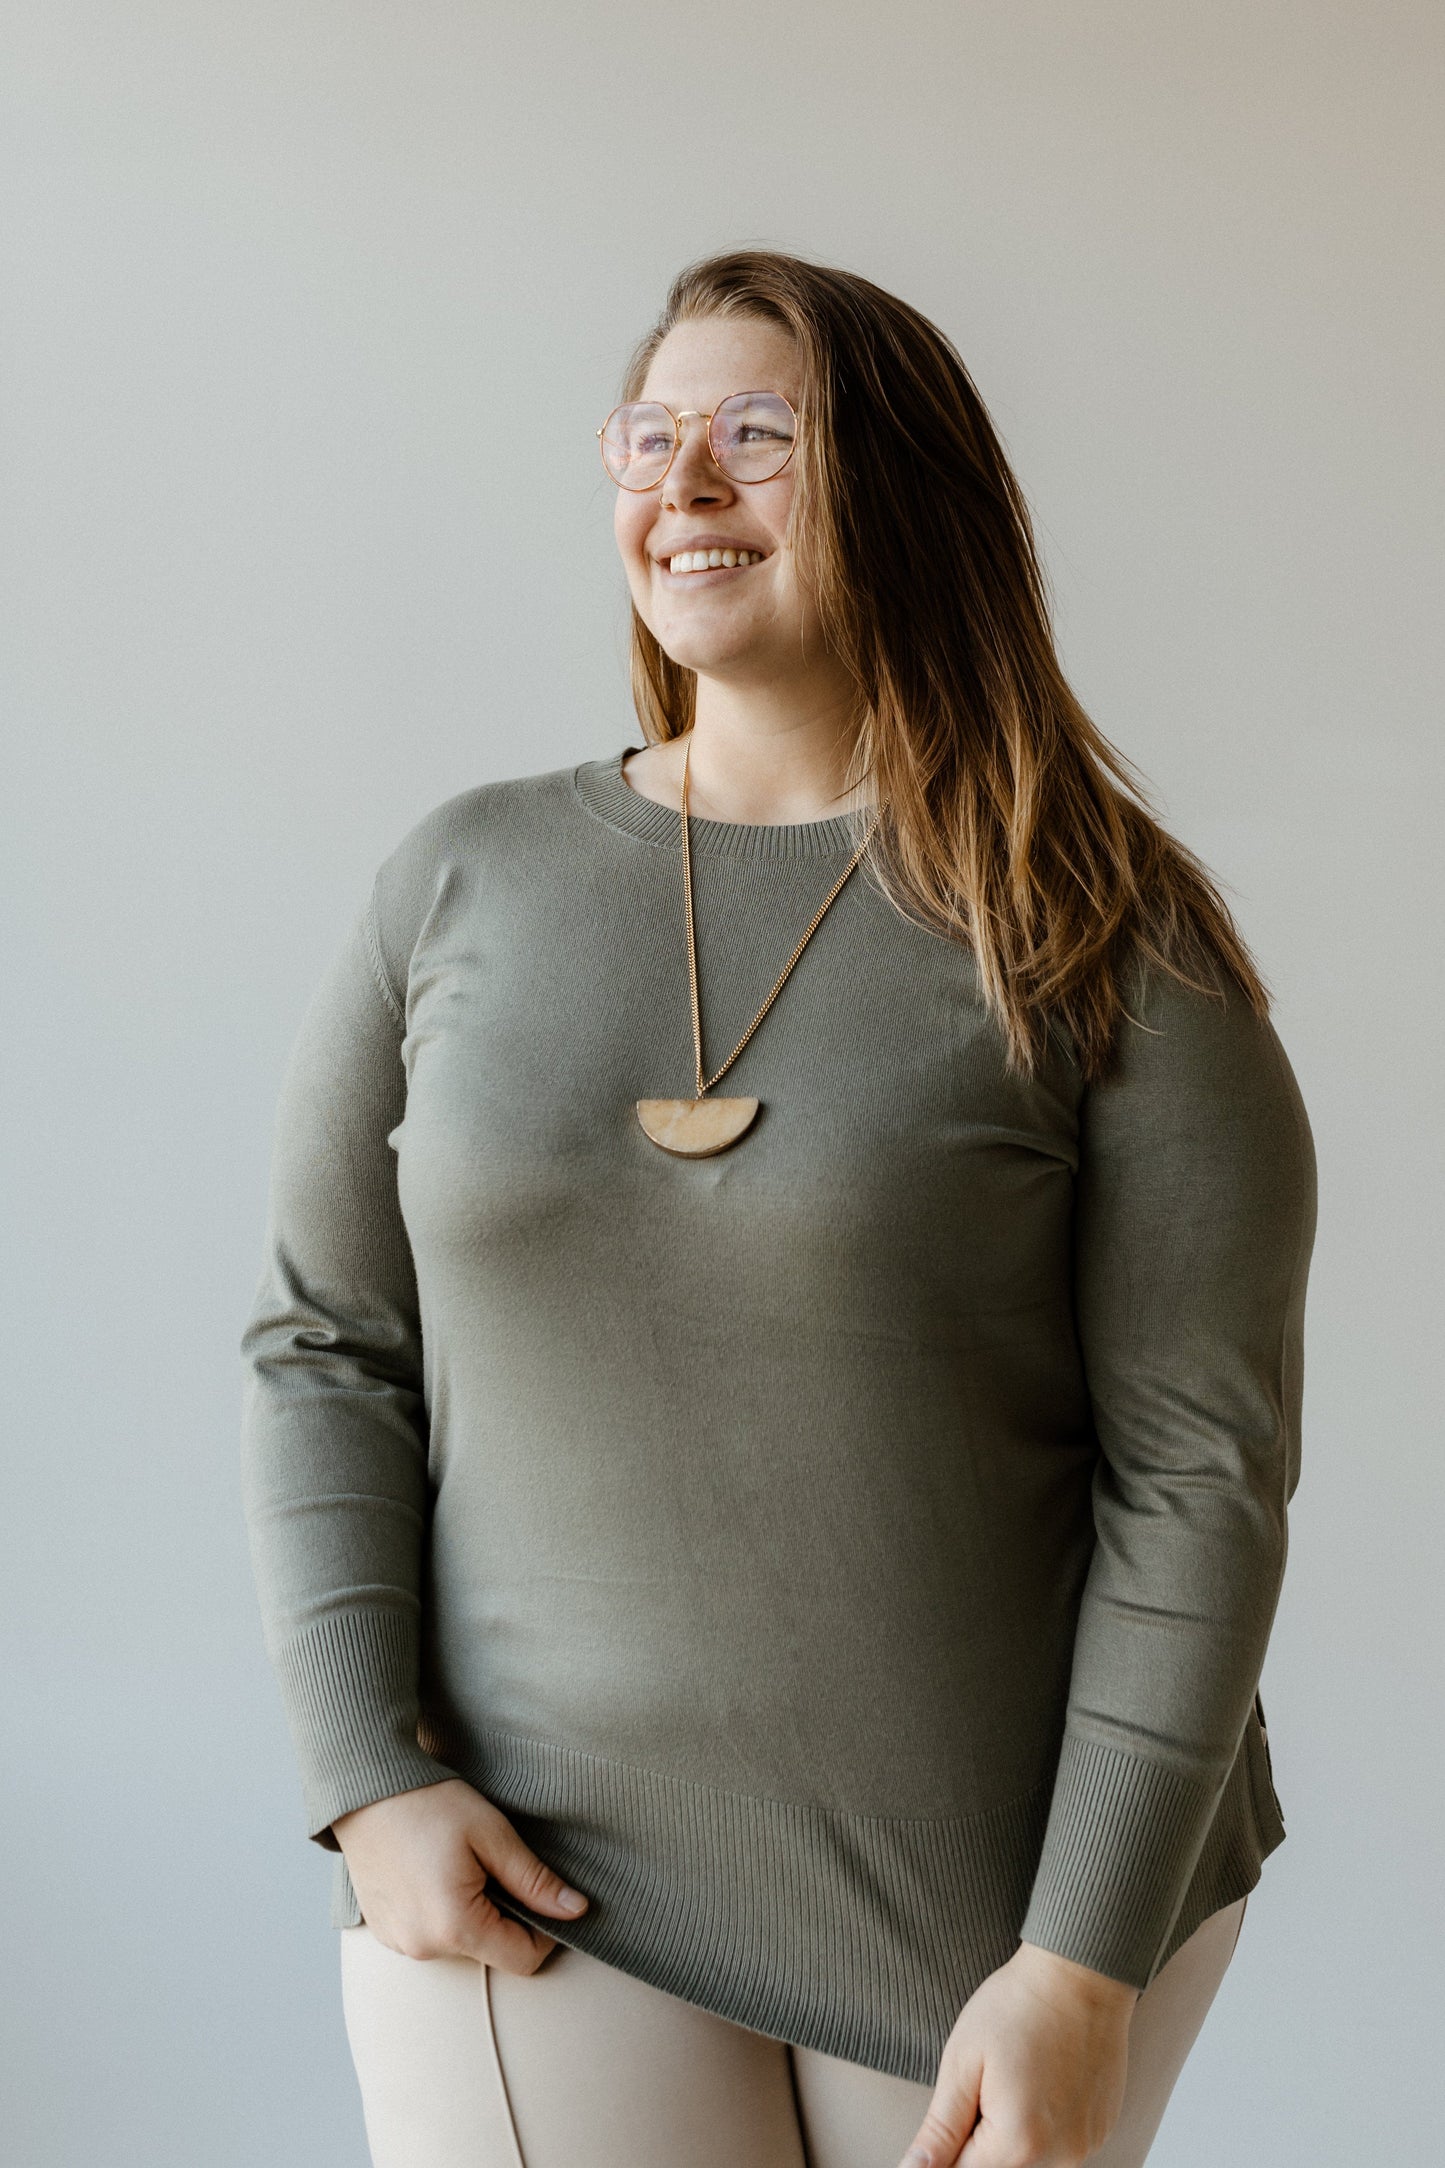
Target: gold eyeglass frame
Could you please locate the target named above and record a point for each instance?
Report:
(677, 422)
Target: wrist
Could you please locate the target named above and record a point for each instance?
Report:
(1098, 1988)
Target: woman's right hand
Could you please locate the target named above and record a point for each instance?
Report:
(419, 1863)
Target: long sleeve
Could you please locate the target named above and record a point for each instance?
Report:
(334, 1428)
(1194, 1221)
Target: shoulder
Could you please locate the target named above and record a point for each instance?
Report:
(1199, 1076)
(448, 843)
(1176, 1033)
(488, 816)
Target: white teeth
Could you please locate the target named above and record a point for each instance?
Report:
(709, 560)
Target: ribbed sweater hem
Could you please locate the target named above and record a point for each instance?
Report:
(861, 1936)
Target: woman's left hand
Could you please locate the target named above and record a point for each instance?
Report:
(1032, 2075)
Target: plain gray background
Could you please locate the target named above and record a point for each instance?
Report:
(275, 582)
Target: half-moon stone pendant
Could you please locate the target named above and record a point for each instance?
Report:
(696, 1128)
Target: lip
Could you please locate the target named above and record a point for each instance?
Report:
(714, 572)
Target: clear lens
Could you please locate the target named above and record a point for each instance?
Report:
(637, 443)
(752, 435)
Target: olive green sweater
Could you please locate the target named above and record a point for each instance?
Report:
(842, 1556)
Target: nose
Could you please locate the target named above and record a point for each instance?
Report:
(694, 476)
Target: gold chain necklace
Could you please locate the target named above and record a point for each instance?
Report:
(696, 1128)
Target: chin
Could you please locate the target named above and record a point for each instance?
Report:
(716, 646)
(710, 658)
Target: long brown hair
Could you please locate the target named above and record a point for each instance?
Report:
(1010, 822)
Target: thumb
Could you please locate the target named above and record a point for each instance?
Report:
(951, 2115)
(518, 1869)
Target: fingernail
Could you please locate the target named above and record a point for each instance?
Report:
(915, 2158)
(571, 1900)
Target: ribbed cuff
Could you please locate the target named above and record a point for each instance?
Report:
(349, 1686)
(1123, 1838)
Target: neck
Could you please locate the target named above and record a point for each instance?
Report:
(770, 757)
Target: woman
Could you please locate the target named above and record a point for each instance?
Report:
(808, 1549)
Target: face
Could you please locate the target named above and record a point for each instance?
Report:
(746, 622)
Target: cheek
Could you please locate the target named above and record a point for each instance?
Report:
(773, 502)
(631, 520)
(632, 547)
(631, 527)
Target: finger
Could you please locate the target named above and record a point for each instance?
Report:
(932, 2148)
(996, 2144)
(952, 2114)
(520, 1872)
(982, 2148)
(487, 1934)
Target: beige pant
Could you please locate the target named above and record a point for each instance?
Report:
(578, 2065)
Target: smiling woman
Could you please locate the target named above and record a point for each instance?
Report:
(836, 1523)
(754, 633)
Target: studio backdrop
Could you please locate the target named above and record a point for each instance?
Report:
(276, 582)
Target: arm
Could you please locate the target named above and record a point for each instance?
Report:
(334, 1456)
(1195, 1213)
(1195, 1216)
(334, 1422)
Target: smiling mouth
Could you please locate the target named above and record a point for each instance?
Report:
(692, 564)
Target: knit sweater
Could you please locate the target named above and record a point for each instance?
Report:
(841, 1556)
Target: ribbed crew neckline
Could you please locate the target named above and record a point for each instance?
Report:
(606, 793)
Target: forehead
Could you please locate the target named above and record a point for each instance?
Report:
(702, 361)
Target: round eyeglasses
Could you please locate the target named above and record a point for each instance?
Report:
(751, 436)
